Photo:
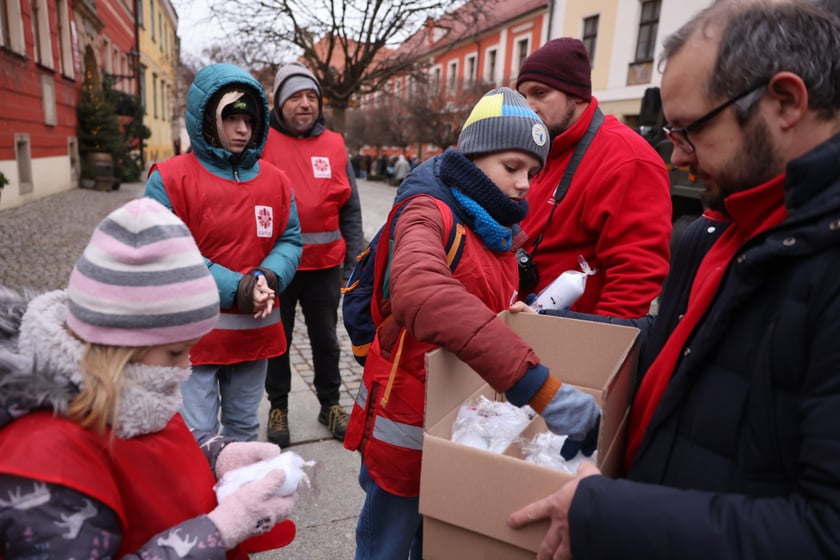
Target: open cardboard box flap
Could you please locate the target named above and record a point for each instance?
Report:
(474, 489)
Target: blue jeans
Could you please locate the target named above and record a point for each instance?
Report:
(236, 389)
(390, 527)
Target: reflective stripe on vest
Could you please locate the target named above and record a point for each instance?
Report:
(390, 431)
(320, 238)
(245, 321)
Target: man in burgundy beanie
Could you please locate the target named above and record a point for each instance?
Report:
(616, 213)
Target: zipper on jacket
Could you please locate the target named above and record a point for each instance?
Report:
(236, 173)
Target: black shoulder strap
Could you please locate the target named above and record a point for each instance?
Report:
(566, 180)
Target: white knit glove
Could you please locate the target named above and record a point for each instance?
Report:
(242, 453)
(253, 509)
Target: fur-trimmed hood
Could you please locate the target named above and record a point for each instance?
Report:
(28, 383)
(39, 368)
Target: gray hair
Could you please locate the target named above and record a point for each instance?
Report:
(761, 38)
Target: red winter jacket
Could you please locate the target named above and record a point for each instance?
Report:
(616, 214)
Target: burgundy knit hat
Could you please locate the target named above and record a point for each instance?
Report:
(562, 64)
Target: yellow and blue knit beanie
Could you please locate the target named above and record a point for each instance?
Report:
(502, 120)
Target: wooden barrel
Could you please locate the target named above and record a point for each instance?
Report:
(102, 164)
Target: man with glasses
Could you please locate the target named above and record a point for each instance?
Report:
(612, 206)
(734, 436)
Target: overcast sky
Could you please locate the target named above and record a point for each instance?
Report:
(195, 28)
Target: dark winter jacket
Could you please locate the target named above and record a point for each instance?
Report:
(744, 447)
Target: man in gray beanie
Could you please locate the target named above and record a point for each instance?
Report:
(616, 212)
(315, 159)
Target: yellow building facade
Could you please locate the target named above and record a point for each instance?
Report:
(157, 24)
(624, 39)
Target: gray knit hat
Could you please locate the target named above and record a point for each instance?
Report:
(502, 120)
(292, 78)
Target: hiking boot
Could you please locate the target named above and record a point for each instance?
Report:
(278, 427)
(335, 419)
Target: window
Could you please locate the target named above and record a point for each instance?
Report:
(65, 50)
(152, 17)
(521, 52)
(154, 95)
(435, 82)
(143, 97)
(139, 4)
(470, 71)
(42, 44)
(490, 67)
(452, 77)
(23, 155)
(11, 25)
(4, 24)
(590, 35)
(648, 26)
(48, 97)
(106, 55)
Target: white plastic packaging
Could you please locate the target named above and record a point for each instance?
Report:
(544, 449)
(300, 475)
(490, 425)
(565, 289)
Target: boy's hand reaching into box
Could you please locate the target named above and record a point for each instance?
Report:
(575, 414)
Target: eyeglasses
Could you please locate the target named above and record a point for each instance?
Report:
(679, 136)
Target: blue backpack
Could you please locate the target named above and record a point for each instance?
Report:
(371, 275)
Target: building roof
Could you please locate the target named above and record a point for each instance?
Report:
(473, 18)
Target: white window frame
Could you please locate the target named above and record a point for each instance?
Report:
(452, 76)
(41, 29)
(491, 73)
(48, 99)
(14, 22)
(517, 42)
(470, 70)
(65, 44)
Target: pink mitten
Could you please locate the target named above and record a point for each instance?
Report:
(241, 453)
(253, 509)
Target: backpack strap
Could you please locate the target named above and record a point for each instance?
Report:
(454, 248)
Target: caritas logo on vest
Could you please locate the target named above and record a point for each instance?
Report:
(265, 220)
(321, 167)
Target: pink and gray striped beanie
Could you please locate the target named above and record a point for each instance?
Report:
(141, 281)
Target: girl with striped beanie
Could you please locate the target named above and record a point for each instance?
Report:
(94, 457)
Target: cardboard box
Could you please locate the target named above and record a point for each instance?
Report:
(466, 494)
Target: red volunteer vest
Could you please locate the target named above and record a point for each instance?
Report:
(317, 168)
(393, 461)
(151, 482)
(235, 224)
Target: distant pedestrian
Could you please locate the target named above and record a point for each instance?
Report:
(401, 169)
(241, 211)
(364, 165)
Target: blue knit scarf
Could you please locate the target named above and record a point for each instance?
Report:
(492, 214)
